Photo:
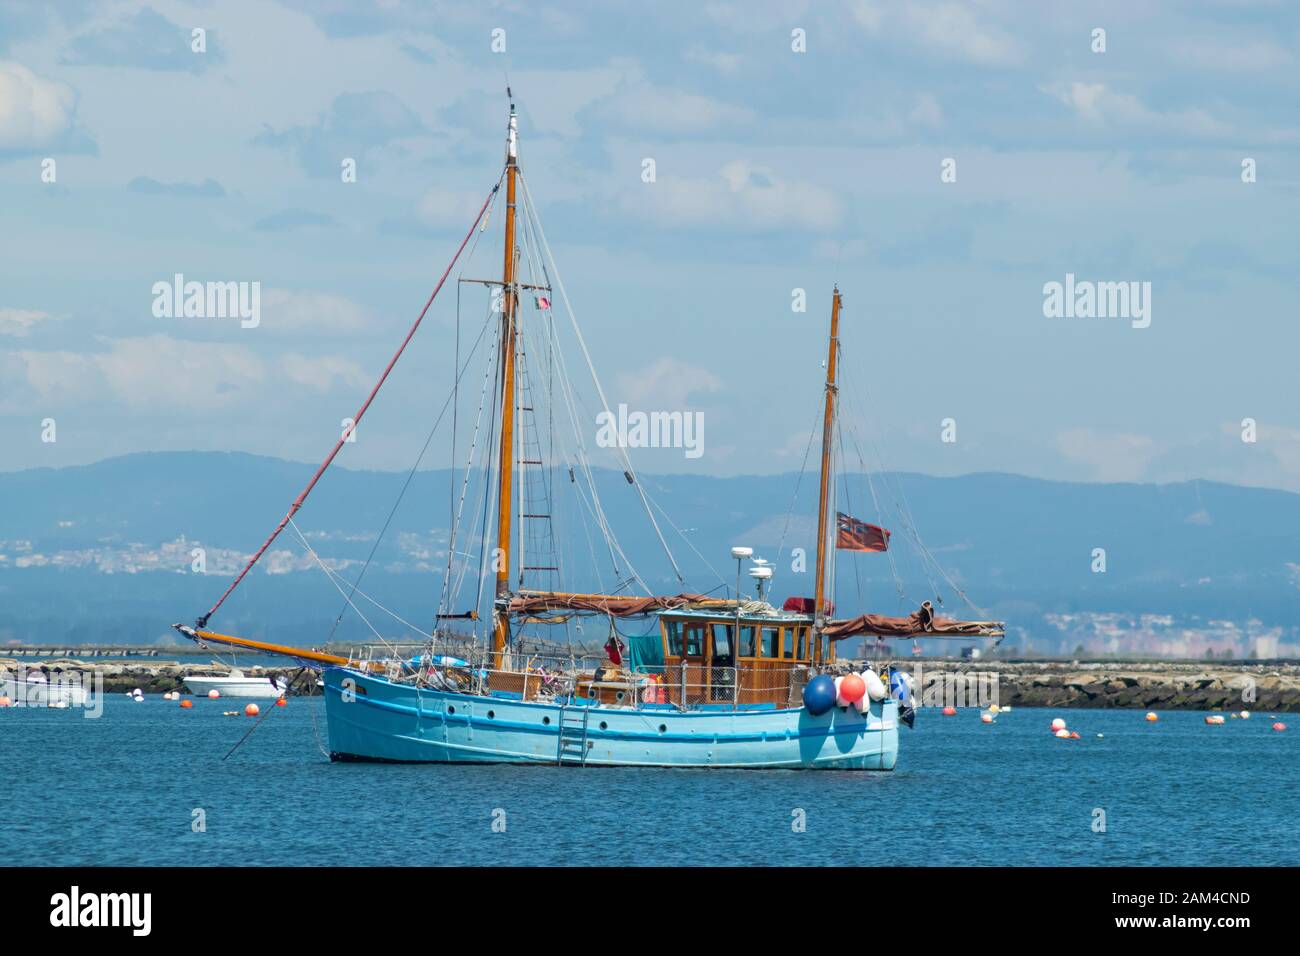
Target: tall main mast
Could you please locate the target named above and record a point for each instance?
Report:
(823, 501)
(509, 309)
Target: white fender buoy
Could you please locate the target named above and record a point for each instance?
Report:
(1063, 734)
(839, 701)
(1058, 724)
(986, 718)
(875, 686)
(214, 694)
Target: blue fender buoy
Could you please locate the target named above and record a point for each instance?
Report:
(898, 687)
(819, 695)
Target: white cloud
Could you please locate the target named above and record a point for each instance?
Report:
(666, 384)
(161, 374)
(34, 112)
(158, 372)
(742, 194)
(648, 109)
(444, 208)
(318, 313)
(1099, 105)
(726, 63)
(1109, 456)
(323, 372)
(20, 322)
(949, 29)
(926, 112)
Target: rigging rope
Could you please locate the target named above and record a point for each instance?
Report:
(202, 622)
(568, 306)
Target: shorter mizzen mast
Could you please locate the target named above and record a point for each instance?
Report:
(823, 500)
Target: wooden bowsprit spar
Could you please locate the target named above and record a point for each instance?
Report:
(307, 657)
(202, 622)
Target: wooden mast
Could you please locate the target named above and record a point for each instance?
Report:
(509, 303)
(819, 616)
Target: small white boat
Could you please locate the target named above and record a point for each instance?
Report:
(235, 684)
(34, 689)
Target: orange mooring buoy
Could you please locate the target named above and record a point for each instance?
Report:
(187, 703)
(251, 710)
(281, 702)
(1151, 715)
(950, 711)
(1279, 726)
(5, 701)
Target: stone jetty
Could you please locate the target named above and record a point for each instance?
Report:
(1156, 685)
(153, 676)
(1149, 685)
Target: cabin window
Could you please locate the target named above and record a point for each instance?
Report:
(800, 643)
(771, 641)
(694, 640)
(674, 631)
(721, 640)
(748, 640)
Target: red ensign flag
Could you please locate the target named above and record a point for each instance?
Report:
(854, 535)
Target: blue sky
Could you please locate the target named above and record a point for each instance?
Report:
(775, 170)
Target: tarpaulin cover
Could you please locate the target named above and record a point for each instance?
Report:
(645, 653)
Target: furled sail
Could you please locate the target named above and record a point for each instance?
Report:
(531, 603)
(920, 623)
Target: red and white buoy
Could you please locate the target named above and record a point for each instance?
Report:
(251, 710)
(1152, 716)
(949, 711)
(1279, 726)
(1058, 724)
(214, 694)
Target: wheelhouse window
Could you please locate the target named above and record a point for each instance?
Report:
(771, 641)
(799, 641)
(695, 639)
(748, 640)
(674, 631)
(721, 639)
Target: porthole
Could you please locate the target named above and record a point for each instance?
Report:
(546, 720)
(663, 728)
(619, 697)
(451, 710)
(491, 714)
(604, 726)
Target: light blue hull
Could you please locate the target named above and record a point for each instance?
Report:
(388, 721)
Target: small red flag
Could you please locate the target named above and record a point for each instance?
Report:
(854, 535)
(543, 303)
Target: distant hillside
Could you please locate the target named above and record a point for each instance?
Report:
(103, 551)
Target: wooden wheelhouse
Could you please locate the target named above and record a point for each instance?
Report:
(722, 659)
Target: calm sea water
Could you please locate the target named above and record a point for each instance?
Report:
(122, 789)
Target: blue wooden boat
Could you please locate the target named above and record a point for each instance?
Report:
(721, 682)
